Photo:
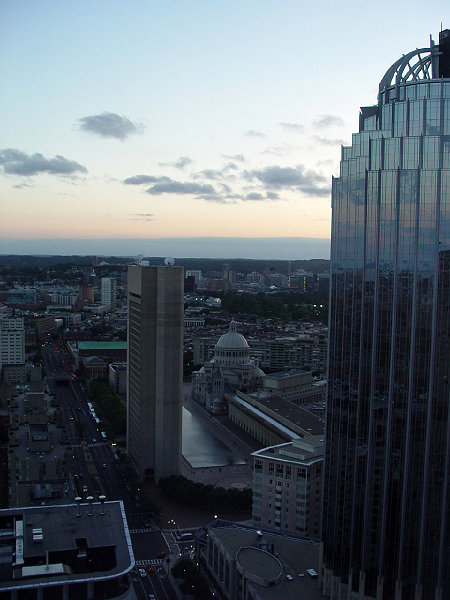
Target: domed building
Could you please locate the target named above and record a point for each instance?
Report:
(231, 369)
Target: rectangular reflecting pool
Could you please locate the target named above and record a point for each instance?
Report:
(201, 448)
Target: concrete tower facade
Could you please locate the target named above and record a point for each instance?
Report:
(155, 369)
(386, 525)
(12, 341)
(109, 292)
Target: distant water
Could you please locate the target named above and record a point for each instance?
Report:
(201, 448)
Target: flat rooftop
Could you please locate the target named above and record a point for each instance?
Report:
(295, 556)
(52, 544)
(102, 346)
(273, 407)
(287, 374)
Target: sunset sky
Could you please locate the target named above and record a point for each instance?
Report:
(154, 121)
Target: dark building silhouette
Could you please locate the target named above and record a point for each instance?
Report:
(155, 369)
(385, 527)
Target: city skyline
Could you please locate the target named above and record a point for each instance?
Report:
(151, 122)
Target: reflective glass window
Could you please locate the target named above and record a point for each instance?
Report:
(400, 112)
(370, 123)
(446, 125)
(386, 116)
(433, 117)
(446, 152)
(430, 153)
(416, 117)
(444, 233)
(346, 152)
(422, 90)
(435, 90)
(411, 92)
(364, 143)
(392, 153)
(356, 145)
(411, 153)
(375, 155)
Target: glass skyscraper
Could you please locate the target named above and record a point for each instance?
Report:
(386, 512)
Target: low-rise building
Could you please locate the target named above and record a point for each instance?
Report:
(110, 351)
(287, 483)
(66, 552)
(249, 564)
(94, 367)
(194, 321)
(203, 349)
(292, 352)
(271, 420)
(118, 377)
(45, 325)
(39, 449)
(22, 373)
(298, 387)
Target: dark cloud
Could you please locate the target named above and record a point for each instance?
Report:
(216, 197)
(20, 186)
(314, 190)
(144, 179)
(177, 187)
(293, 127)
(272, 196)
(327, 141)
(182, 162)
(288, 177)
(209, 174)
(280, 150)
(144, 217)
(15, 162)
(110, 125)
(238, 157)
(229, 167)
(328, 121)
(255, 134)
(216, 174)
(254, 196)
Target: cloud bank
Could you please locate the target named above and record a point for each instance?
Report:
(110, 125)
(293, 127)
(182, 162)
(325, 121)
(276, 177)
(16, 162)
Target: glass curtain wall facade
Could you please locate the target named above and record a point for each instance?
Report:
(385, 528)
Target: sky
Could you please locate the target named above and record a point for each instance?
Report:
(205, 128)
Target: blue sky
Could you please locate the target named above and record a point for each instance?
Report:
(147, 121)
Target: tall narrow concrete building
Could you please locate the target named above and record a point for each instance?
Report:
(386, 525)
(155, 369)
(109, 292)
